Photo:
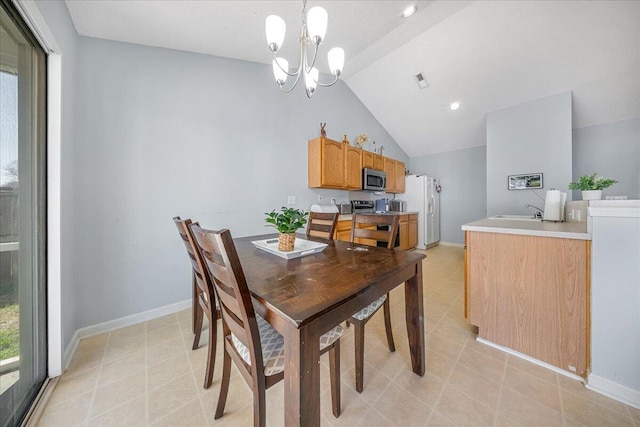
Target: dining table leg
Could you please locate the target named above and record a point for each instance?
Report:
(302, 377)
(415, 320)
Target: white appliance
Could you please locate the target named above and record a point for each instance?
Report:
(422, 194)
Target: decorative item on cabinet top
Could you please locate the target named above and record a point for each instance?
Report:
(361, 139)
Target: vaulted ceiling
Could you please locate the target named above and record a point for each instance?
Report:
(486, 55)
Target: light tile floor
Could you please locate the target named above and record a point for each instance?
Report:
(147, 374)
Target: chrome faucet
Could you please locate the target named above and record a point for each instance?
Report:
(538, 213)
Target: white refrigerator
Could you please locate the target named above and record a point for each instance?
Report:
(422, 194)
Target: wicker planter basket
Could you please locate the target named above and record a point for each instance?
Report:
(286, 241)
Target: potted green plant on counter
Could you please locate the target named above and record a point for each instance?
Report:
(591, 186)
(287, 222)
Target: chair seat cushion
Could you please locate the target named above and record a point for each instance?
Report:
(273, 346)
(370, 309)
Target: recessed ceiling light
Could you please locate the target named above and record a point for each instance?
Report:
(409, 11)
(454, 106)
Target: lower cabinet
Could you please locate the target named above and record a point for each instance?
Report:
(343, 232)
(530, 294)
(408, 230)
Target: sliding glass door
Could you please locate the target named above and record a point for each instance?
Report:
(23, 352)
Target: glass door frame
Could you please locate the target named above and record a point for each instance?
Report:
(57, 357)
(25, 67)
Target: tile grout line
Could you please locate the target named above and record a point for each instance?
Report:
(95, 388)
(504, 375)
(191, 373)
(146, 375)
(446, 382)
(564, 416)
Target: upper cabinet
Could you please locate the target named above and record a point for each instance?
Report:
(400, 177)
(395, 175)
(333, 164)
(326, 166)
(352, 167)
(367, 159)
(378, 162)
(338, 165)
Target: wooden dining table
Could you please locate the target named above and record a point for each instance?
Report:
(303, 298)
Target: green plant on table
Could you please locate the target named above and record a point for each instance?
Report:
(590, 182)
(288, 220)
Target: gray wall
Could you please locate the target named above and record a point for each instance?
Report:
(57, 17)
(462, 175)
(613, 151)
(162, 133)
(528, 138)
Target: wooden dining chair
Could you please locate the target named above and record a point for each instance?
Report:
(255, 347)
(204, 298)
(370, 228)
(322, 225)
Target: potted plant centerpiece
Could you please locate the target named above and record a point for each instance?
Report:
(287, 222)
(591, 186)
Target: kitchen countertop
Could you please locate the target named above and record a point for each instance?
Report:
(631, 203)
(562, 230)
(348, 217)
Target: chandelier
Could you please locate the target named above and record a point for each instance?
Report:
(314, 27)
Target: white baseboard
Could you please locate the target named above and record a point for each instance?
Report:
(614, 390)
(120, 323)
(70, 351)
(457, 245)
(532, 360)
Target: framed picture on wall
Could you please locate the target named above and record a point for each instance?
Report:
(525, 181)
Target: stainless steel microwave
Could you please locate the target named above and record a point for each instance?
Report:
(374, 180)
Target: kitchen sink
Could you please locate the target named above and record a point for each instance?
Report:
(516, 217)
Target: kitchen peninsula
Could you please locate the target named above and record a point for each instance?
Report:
(527, 288)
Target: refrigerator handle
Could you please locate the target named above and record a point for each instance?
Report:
(431, 203)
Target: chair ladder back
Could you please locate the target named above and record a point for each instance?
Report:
(203, 280)
(238, 316)
(322, 225)
(387, 236)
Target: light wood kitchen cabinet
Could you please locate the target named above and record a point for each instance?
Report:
(413, 230)
(325, 166)
(399, 178)
(372, 160)
(352, 167)
(367, 159)
(378, 162)
(395, 175)
(343, 232)
(390, 170)
(332, 164)
(530, 294)
(408, 229)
